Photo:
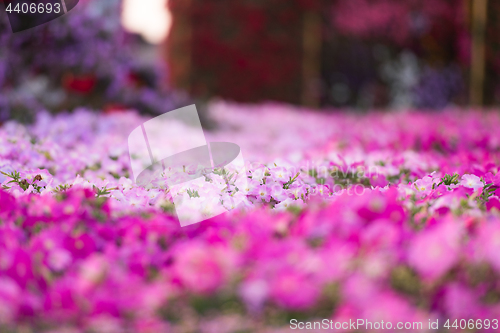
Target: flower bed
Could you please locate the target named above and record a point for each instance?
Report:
(391, 217)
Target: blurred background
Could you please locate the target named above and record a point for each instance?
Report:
(345, 53)
(156, 55)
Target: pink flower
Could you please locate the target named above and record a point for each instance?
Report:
(359, 290)
(203, 268)
(380, 234)
(435, 250)
(293, 290)
(277, 192)
(137, 197)
(424, 185)
(337, 258)
(263, 193)
(322, 191)
(92, 271)
(298, 190)
(151, 325)
(389, 307)
(104, 323)
(58, 259)
(254, 293)
(10, 297)
(41, 177)
(488, 244)
(280, 175)
(461, 302)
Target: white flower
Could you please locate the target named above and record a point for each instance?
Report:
(258, 174)
(284, 204)
(471, 181)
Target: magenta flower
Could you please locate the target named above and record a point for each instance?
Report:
(18, 265)
(376, 205)
(80, 246)
(7, 203)
(489, 178)
(61, 302)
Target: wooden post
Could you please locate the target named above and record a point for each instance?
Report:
(311, 68)
(179, 45)
(478, 54)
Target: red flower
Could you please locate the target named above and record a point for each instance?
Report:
(82, 84)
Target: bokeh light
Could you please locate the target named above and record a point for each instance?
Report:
(149, 18)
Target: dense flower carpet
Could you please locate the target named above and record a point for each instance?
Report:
(381, 217)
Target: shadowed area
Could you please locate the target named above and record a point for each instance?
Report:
(25, 15)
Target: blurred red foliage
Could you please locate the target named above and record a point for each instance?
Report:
(244, 51)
